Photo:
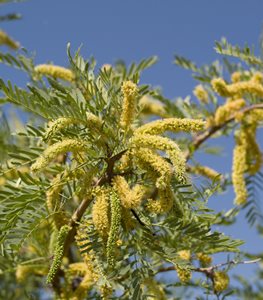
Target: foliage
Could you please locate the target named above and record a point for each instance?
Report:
(100, 194)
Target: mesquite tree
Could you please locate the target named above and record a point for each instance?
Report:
(100, 190)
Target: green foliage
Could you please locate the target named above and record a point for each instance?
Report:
(56, 204)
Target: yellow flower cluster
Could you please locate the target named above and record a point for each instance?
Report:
(254, 152)
(184, 254)
(67, 145)
(184, 274)
(164, 144)
(159, 167)
(201, 94)
(149, 106)
(100, 212)
(130, 198)
(236, 76)
(205, 171)
(77, 269)
(114, 228)
(221, 281)
(5, 39)
(57, 125)
(164, 203)
(130, 93)
(205, 260)
(227, 110)
(59, 252)
(238, 89)
(171, 124)
(23, 271)
(55, 72)
(239, 168)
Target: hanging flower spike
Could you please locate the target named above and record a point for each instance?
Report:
(254, 153)
(55, 72)
(5, 39)
(150, 161)
(239, 169)
(236, 77)
(221, 281)
(59, 252)
(100, 212)
(150, 106)
(114, 229)
(67, 145)
(205, 260)
(201, 94)
(225, 111)
(24, 271)
(130, 198)
(171, 124)
(163, 204)
(130, 93)
(184, 274)
(184, 254)
(57, 125)
(238, 88)
(205, 171)
(163, 144)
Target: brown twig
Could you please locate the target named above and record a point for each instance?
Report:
(200, 139)
(209, 270)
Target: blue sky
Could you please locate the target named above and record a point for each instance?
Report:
(132, 30)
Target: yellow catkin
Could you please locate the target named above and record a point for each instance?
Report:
(130, 198)
(239, 168)
(164, 144)
(54, 202)
(236, 77)
(100, 212)
(93, 120)
(6, 40)
(59, 124)
(221, 281)
(237, 89)
(183, 274)
(171, 124)
(67, 145)
(150, 106)
(163, 204)
(59, 252)
(148, 160)
(130, 93)
(205, 171)
(254, 153)
(128, 222)
(205, 260)
(114, 229)
(24, 271)
(184, 254)
(81, 291)
(55, 72)
(257, 77)
(227, 110)
(201, 94)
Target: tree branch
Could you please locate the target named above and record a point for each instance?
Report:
(200, 139)
(209, 270)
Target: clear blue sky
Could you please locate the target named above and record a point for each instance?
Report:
(132, 30)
